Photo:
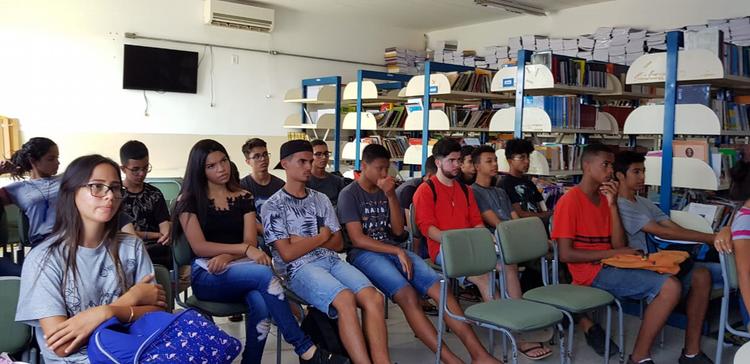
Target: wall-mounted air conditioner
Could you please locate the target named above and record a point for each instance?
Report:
(238, 14)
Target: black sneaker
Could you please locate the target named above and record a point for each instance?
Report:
(595, 339)
(323, 356)
(701, 358)
(647, 361)
(236, 318)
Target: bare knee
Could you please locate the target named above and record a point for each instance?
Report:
(370, 299)
(701, 278)
(672, 289)
(406, 297)
(345, 301)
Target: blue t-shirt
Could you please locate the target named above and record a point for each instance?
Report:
(285, 215)
(37, 198)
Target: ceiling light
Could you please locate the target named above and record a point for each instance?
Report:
(512, 6)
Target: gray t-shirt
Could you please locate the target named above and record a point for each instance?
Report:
(37, 199)
(406, 190)
(493, 199)
(370, 209)
(42, 281)
(634, 216)
(285, 215)
(331, 185)
(261, 193)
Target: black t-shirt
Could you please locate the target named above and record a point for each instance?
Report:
(261, 193)
(146, 209)
(522, 191)
(405, 192)
(226, 226)
(331, 185)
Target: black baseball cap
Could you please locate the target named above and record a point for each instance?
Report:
(291, 147)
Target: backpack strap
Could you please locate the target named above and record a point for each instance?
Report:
(432, 187)
(463, 186)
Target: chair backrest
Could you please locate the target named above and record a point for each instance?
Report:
(15, 336)
(415, 233)
(181, 251)
(522, 240)
(467, 252)
(169, 187)
(729, 270)
(12, 219)
(162, 277)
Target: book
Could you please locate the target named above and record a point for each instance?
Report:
(691, 149)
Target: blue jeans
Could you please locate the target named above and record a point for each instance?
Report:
(384, 270)
(635, 284)
(255, 285)
(320, 281)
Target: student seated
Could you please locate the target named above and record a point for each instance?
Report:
(85, 272)
(144, 203)
(495, 207)
(322, 181)
(374, 220)
(523, 193)
(302, 228)
(36, 197)
(588, 228)
(259, 182)
(218, 220)
(443, 203)
(405, 193)
(639, 217)
(467, 173)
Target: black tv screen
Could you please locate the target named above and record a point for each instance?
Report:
(159, 69)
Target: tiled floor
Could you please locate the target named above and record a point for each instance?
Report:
(406, 349)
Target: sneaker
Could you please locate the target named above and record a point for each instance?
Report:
(645, 361)
(236, 318)
(323, 356)
(595, 339)
(701, 358)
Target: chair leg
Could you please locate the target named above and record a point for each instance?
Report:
(492, 342)
(571, 332)
(505, 349)
(513, 347)
(608, 334)
(620, 331)
(441, 322)
(278, 345)
(722, 328)
(561, 339)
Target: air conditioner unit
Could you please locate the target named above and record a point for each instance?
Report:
(238, 14)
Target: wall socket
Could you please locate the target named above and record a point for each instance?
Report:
(235, 59)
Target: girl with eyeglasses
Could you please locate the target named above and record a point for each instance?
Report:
(86, 271)
(217, 217)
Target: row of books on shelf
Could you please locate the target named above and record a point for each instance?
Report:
(718, 212)
(396, 145)
(561, 157)
(721, 159)
(573, 71)
(390, 116)
(735, 58)
(731, 110)
(470, 81)
(564, 111)
(468, 116)
(733, 116)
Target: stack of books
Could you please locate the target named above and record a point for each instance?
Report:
(561, 157)
(390, 116)
(402, 60)
(564, 111)
(573, 71)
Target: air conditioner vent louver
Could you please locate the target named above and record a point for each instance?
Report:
(233, 15)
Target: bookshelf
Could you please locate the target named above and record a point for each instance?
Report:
(366, 91)
(538, 165)
(318, 92)
(684, 66)
(539, 80)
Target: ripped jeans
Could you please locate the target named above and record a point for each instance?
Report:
(255, 285)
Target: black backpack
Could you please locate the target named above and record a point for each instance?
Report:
(323, 331)
(460, 184)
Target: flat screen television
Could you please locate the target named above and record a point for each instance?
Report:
(159, 69)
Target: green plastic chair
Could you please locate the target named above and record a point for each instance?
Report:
(16, 337)
(731, 284)
(525, 239)
(163, 277)
(471, 252)
(169, 187)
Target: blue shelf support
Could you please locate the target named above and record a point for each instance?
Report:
(336, 82)
(670, 92)
(397, 81)
(523, 55)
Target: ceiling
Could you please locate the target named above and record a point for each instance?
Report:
(422, 15)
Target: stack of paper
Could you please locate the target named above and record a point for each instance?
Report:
(656, 40)
(529, 42)
(514, 43)
(739, 31)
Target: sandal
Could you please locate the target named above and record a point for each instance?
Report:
(429, 309)
(527, 353)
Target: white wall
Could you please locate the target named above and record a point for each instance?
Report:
(650, 14)
(61, 66)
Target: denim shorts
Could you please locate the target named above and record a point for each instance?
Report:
(384, 270)
(320, 281)
(635, 284)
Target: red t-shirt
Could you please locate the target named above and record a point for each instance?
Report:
(588, 225)
(450, 211)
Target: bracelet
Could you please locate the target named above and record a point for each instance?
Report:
(132, 313)
(246, 249)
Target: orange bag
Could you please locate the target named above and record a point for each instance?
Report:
(665, 261)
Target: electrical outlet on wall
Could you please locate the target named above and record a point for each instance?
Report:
(235, 59)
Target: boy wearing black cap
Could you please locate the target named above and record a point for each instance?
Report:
(302, 228)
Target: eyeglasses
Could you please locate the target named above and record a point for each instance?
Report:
(520, 157)
(260, 156)
(322, 154)
(138, 170)
(100, 190)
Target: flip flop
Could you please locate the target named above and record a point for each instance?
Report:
(526, 352)
(430, 309)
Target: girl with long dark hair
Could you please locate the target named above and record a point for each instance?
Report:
(86, 271)
(218, 219)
